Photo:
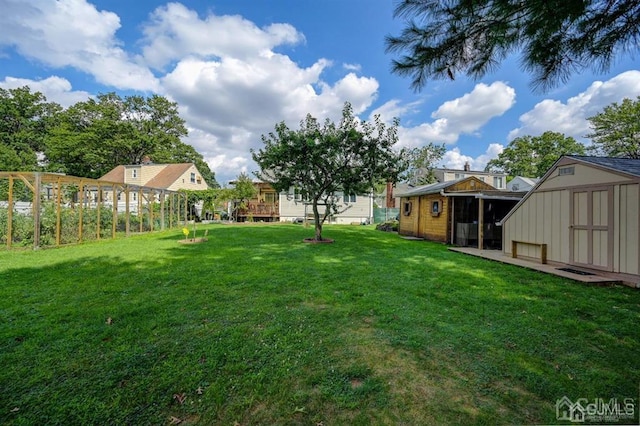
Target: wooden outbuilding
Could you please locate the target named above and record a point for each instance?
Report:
(463, 212)
(583, 215)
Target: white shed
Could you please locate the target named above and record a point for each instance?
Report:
(583, 213)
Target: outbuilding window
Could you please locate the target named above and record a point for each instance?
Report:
(406, 208)
(435, 208)
(562, 171)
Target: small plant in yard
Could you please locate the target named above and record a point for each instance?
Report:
(260, 329)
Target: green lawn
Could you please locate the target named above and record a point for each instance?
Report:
(255, 327)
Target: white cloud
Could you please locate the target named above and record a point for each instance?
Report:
(55, 89)
(570, 118)
(72, 33)
(394, 109)
(175, 32)
(464, 115)
(232, 86)
(454, 159)
(352, 67)
(237, 101)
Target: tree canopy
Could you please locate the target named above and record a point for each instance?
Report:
(616, 130)
(421, 162)
(532, 156)
(320, 161)
(25, 120)
(92, 137)
(556, 38)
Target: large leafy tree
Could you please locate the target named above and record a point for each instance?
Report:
(616, 130)
(421, 162)
(532, 156)
(320, 161)
(25, 118)
(555, 37)
(94, 136)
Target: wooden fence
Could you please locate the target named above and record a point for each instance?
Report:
(49, 209)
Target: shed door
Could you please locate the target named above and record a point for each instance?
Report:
(591, 228)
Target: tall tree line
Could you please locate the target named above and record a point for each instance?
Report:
(91, 137)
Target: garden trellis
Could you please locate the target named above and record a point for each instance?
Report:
(50, 209)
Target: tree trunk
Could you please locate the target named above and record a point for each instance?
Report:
(316, 219)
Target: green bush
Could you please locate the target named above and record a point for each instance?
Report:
(388, 226)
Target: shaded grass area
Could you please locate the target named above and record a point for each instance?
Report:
(255, 327)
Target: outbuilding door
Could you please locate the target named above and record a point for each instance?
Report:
(591, 240)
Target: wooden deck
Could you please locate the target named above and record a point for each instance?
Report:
(499, 256)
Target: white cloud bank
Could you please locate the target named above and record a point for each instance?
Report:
(72, 33)
(570, 117)
(464, 115)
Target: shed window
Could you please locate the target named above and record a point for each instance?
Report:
(406, 208)
(134, 173)
(562, 171)
(435, 208)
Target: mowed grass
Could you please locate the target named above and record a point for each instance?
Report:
(255, 327)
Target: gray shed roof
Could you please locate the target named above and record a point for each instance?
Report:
(431, 188)
(626, 165)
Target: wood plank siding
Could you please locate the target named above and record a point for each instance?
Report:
(586, 214)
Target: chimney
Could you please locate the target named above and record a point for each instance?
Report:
(390, 201)
(467, 167)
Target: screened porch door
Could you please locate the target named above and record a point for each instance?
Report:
(591, 239)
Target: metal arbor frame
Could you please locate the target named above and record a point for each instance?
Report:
(91, 194)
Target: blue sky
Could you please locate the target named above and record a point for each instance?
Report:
(238, 67)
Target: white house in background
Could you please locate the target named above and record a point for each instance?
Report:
(497, 180)
(161, 176)
(357, 208)
(521, 184)
(171, 177)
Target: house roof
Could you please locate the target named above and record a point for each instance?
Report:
(527, 180)
(115, 175)
(167, 176)
(162, 180)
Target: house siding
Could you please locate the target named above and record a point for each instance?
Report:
(128, 175)
(184, 181)
(359, 211)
